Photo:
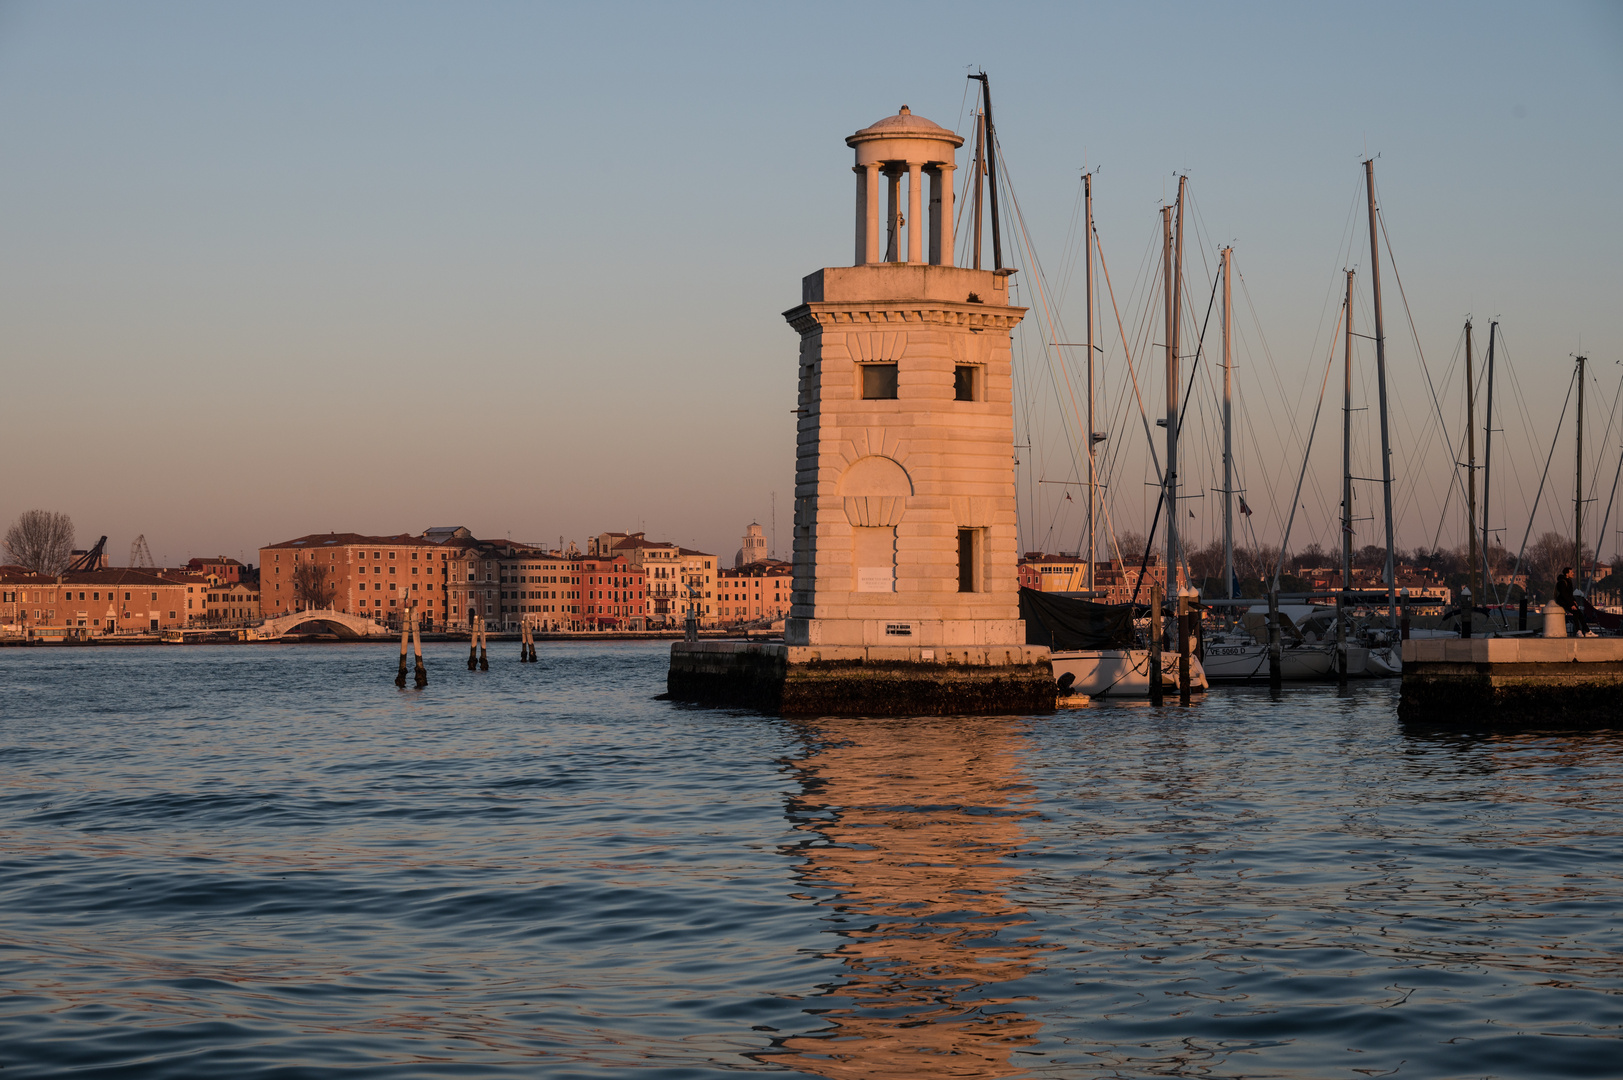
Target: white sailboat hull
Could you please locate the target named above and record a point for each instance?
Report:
(1249, 662)
(1121, 672)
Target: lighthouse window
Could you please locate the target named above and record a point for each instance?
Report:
(965, 382)
(878, 381)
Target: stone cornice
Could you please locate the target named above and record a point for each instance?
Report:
(808, 317)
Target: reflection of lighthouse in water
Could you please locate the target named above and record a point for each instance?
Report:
(919, 817)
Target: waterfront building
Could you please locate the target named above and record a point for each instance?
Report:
(757, 592)
(220, 567)
(696, 586)
(661, 566)
(375, 576)
(90, 602)
(1116, 583)
(539, 587)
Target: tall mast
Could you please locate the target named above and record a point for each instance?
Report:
(1093, 476)
(980, 175)
(1470, 471)
(1380, 379)
(1174, 302)
(1169, 481)
(990, 145)
(1578, 482)
(1487, 460)
(1346, 452)
(1228, 424)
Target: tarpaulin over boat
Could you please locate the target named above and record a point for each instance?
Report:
(1064, 622)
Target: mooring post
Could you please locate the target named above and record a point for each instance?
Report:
(1275, 677)
(473, 644)
(1155, 645)
(484, 643)
(400, 679)
(417, 648)
(1183, 648)
(523, 649)
(532, 644)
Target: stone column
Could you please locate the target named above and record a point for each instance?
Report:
(862, 215)
(893, 241)
(870, 189)
(915, 214)
(944, 236)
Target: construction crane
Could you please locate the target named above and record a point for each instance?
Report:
(89, 560)
(140, 554)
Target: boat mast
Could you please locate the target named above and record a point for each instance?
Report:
(1168, 483)
(990, 146)
(1174, 300)
(1578, 482)
(1470, 473)
(1380, 380)
(980, 174)
(1346, 455)
(1487, 459)
(1228, 425)
(1093, 475)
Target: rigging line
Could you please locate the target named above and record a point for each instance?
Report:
(1601, 538)
(1523, 550)
(1040, 286)
(1137, 393)
(1392, 261)
(1284, 543)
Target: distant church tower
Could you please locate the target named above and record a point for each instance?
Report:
(753, 549)
(904, 496)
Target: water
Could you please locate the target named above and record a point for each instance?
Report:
(268, 862)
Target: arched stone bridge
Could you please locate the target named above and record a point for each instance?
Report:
(318, 621)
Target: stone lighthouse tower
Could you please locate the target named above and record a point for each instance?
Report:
(904, 487)
(906, 595)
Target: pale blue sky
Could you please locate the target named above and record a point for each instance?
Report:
(273, 269)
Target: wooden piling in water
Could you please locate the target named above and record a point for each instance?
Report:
(400, 679)
(417, 648)
(473, 645)
(484, 643)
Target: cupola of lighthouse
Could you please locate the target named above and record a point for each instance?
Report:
(897, 153)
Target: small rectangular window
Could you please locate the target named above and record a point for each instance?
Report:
(964, 380)
(878, 382)
(967, 543)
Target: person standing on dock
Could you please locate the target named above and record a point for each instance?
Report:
(1566, 598)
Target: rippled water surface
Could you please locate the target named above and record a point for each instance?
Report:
(267, 861)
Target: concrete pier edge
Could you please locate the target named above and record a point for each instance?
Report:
(795, 680)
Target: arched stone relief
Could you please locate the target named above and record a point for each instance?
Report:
(875, 491)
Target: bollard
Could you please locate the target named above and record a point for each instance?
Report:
(417, 648)
(1275, 677)
(1183, 648)
(1555, 620)
(1155, 645)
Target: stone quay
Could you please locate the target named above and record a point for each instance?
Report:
(1522, 682)
(905, 597)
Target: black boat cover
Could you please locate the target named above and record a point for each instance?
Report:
(1064, 622)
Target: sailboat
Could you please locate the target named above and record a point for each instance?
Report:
(1093, 647)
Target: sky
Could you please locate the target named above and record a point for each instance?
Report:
(268, 270)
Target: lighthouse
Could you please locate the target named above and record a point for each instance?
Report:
(906, 595)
